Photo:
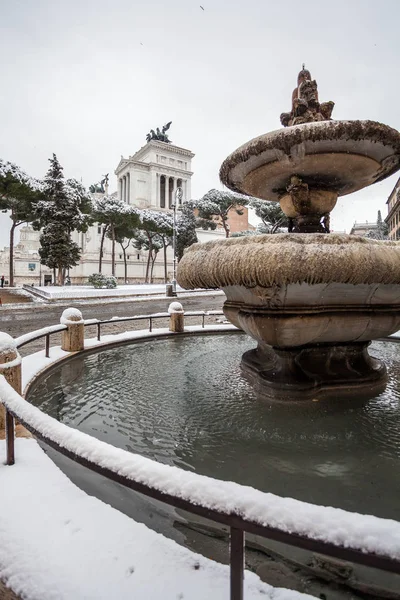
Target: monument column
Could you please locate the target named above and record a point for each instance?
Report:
(153, 190)
(173, 189)
(167, 191)
(188, 195)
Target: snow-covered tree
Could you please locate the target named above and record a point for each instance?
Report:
(381, 232)
(65, 208)
(18, 196)
(124, 233)
(57, 250)
(111, 212)
(185, 229)
(270, 214)
(215, 205)
(156, 228)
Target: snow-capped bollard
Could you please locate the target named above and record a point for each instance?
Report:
(176, 317)
(72, 338)
(10, 368)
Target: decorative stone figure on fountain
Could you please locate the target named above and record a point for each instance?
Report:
(305, 104)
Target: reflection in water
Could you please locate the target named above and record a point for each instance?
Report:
(184, 402)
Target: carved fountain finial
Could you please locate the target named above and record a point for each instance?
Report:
(305, 104)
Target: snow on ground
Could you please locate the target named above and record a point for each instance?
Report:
(87, 291)
(58, 543)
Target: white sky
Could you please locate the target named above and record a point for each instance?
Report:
(87, 79)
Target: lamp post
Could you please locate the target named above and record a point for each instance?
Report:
(177, 200)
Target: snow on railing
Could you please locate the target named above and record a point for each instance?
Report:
(363, 539)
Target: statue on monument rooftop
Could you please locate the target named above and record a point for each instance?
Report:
(100, 188)
(158, 135)
(305, 104)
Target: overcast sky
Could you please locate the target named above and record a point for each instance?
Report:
(87, 79)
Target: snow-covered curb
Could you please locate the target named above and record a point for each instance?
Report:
(82, 291)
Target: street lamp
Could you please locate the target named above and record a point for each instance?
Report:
(177, 200)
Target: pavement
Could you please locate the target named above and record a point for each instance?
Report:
(18, 319)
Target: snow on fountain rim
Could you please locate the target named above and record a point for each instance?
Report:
(333, 135)
(286, 258)
(333, 525)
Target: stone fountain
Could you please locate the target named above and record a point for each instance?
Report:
(313, 300)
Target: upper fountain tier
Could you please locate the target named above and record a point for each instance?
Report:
(313, 160)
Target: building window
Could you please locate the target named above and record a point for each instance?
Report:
(180, 163)
(120, 257)
(171, 161)
(127, 257)
(163, 159)
(99, 229)
(138, 256)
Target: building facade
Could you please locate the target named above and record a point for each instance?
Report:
(27, 267)
(146, 180)
(393, 218)
(150, 178)
(363, 228)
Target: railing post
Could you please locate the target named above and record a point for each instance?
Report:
(98, 332)
(10, 368)
(176, 317)
(150, 324)
(72, 338)
(47, 346)
(237, 563)
(10, 439)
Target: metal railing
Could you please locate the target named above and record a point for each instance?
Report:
(15, 408)
(46, 332)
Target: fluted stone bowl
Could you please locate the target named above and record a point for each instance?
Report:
(339, 156)
(315, 299)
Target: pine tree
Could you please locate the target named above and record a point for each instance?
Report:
(270, 213)
(18, 195)
(381, 231)
(64, 209)
(156, 230)
(112, 214)
(185, 229)
(216, 204)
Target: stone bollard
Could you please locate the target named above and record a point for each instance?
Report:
(169, 290)
(10, 368)
(176, 320)
(72, 338)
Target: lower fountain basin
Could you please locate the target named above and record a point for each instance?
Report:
(313, 303)
(184, 401)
